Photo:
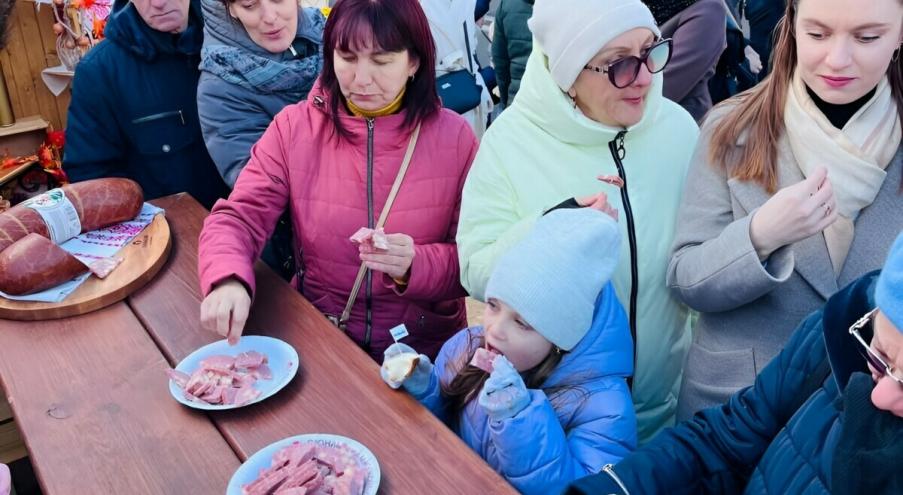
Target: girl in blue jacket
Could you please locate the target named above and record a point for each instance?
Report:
(556, 405)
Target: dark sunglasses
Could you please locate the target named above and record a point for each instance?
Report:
(877, 362)
(624, 71)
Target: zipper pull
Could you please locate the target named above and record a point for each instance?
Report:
(369, 123)
(619, 143)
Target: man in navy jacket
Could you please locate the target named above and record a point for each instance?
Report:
(134, 103)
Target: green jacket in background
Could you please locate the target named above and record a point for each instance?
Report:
(511, 46)
(542, 151)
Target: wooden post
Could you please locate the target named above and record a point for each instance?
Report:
(6, 111)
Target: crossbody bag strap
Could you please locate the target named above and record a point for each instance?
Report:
(445, 35)
(346, 313)
(468, 54)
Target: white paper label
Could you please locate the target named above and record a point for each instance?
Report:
(58, 213)
(399, 332)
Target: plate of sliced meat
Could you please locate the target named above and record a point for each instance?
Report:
(316, 463)
(219, 376)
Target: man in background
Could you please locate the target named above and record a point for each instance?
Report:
(134, 103)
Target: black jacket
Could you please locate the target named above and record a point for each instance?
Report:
(512, 43)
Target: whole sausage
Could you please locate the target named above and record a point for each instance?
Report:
(99, 203)
(34, 263)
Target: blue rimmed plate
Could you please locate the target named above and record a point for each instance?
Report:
(282, 360)
(250, 469)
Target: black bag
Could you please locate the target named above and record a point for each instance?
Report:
(459, 90)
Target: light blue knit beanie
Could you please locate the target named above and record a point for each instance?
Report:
(553, 276)
(889, 293)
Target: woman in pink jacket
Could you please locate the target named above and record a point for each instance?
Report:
(332, 160)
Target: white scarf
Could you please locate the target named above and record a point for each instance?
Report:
(854, 156)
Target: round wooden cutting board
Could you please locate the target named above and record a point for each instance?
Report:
(143, 258)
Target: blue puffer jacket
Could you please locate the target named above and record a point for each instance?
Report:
(777, 436)
(134, 110)
(549, 444)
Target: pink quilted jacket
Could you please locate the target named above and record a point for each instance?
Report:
(297, 164)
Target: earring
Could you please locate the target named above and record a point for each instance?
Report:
(558, 350)
(572, 97)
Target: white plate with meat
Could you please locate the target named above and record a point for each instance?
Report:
(306, 464)
(219, 376)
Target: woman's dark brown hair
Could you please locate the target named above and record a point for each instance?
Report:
(759, 112)
(393, 26)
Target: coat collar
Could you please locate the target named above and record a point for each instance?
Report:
(811, 254)
(390, 131)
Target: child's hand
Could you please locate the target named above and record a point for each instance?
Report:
(504, 394)
(403, 366)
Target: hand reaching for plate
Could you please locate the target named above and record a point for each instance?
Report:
(225, 309)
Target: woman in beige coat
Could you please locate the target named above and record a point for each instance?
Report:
(795, 191)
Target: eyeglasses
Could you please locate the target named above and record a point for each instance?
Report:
(623, 72)
(877, 362)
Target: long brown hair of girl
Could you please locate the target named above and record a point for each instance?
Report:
(469, 380)
(760, 112)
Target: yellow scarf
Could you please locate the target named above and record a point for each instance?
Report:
(393, 107)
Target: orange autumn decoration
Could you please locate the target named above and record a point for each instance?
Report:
(49, 155)
(43, 170)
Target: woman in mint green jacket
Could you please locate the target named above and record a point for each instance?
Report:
(590, 104)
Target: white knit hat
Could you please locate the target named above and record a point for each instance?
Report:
(553, 276)
(571, 32)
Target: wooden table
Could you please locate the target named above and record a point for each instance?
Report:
(91, 400)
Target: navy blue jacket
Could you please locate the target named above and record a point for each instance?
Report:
(778, 435)
(134, 110)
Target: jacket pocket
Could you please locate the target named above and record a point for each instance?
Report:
(162, 133)
(711, 377)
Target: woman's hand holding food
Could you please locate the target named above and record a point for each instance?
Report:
(598, 201)
(395, 261)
